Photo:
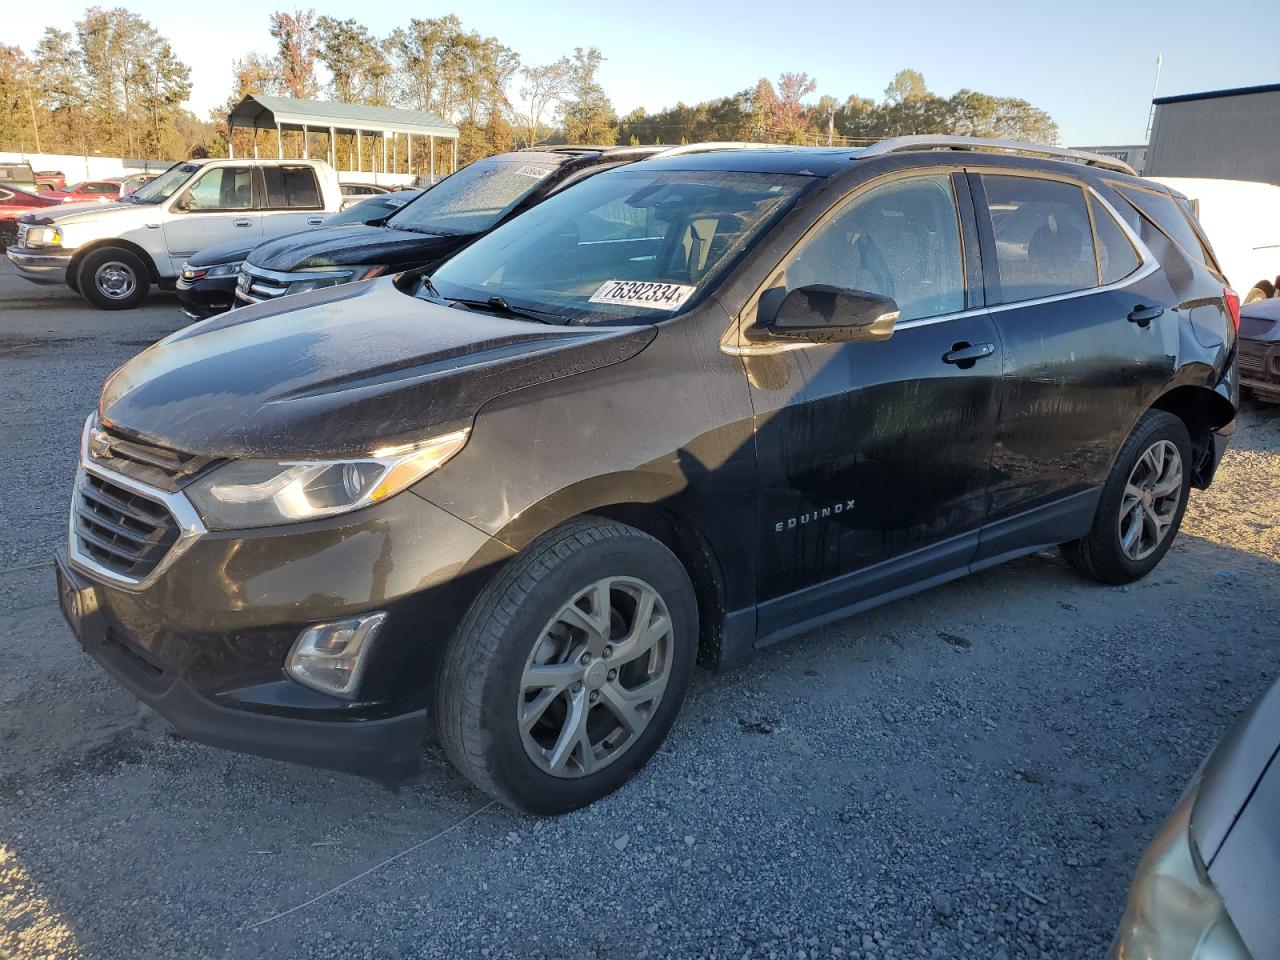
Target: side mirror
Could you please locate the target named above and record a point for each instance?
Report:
(825, 314)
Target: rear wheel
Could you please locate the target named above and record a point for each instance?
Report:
(113, 279)
(570, 667)
(1141, 506)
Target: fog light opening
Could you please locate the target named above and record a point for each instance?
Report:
(331, 657)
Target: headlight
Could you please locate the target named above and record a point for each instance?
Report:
(332, 278)
(44, 237)
(191, 274)
(1174, 912)
(260, 493)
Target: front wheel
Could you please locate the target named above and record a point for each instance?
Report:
(1141, 506)
(568, 671)
(113, 278)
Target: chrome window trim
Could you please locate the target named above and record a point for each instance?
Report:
(1147, 265)
(190, 527)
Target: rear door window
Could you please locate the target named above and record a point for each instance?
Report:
(1043, 239)
(1116, 256)
(292, 188)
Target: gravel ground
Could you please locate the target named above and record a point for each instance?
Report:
(971, 772)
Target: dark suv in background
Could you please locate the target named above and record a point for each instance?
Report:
(684, 409)
(447, 217)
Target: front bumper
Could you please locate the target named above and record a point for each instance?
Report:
(206, 298)
(40, 266)
(1259, 367)
(384, 749)
(204, 641)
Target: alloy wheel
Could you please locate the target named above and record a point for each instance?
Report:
(1150, 501)
(595, 677)
(115, 280)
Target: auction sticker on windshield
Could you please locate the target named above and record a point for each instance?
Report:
(642, 293)
(529, 170)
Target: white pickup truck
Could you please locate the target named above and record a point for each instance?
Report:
(112, 253)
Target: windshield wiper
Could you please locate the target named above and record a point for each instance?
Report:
(500, 306)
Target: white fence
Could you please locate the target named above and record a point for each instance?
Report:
(77, 168)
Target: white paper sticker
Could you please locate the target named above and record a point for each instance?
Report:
(642, 293)
(529, 170)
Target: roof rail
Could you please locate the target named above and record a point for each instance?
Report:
(710, 146)
(987, 145)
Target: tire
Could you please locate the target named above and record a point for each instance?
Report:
(520, 629)
(1260, 291)
(1105, 554)
(113, 278)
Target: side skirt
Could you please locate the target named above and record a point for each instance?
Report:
(1047, 526)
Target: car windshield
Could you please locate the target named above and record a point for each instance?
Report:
(366, 210)
(475, 198)
(164, 186)
(625, 246)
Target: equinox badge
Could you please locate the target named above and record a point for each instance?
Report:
(820, 513)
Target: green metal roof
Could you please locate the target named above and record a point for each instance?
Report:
(264, 112)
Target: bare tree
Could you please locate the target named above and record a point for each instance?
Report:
(544, 89)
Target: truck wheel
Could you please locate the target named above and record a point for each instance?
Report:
(1141, 506)
(569, 668)
(1260, 291)
(113, 279)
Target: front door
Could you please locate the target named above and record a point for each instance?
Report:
(218, 207)
(874, 457)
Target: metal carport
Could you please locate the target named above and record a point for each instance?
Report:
(261, 112)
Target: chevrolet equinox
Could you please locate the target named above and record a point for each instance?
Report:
(681, 410)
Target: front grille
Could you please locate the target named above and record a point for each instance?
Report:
(254, 287)
(1250, 363)
(139, 460)
(124, 532)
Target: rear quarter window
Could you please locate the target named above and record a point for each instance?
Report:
(1170, 217)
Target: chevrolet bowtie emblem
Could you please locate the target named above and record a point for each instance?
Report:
(99, 444)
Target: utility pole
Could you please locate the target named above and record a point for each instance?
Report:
(1151, 115)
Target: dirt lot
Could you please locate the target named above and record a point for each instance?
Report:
(971, 772)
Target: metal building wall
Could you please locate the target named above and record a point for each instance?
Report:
(1234, 137)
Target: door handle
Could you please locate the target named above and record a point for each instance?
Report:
(965, 355)
(1143, 316)
(242, 223)
(315, 221)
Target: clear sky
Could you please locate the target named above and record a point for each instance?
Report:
(1090, 64)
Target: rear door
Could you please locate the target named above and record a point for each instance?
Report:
(874, 457)
(216, 207)
(1089, 334)
(291, 199)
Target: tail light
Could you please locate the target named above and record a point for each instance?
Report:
(1233, 306)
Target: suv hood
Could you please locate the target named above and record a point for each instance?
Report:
(349, 246)
(231, 252)
(341, 371)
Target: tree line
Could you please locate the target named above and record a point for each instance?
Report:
(113, 85)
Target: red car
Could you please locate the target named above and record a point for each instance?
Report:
(13, 204)
(104, 190)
